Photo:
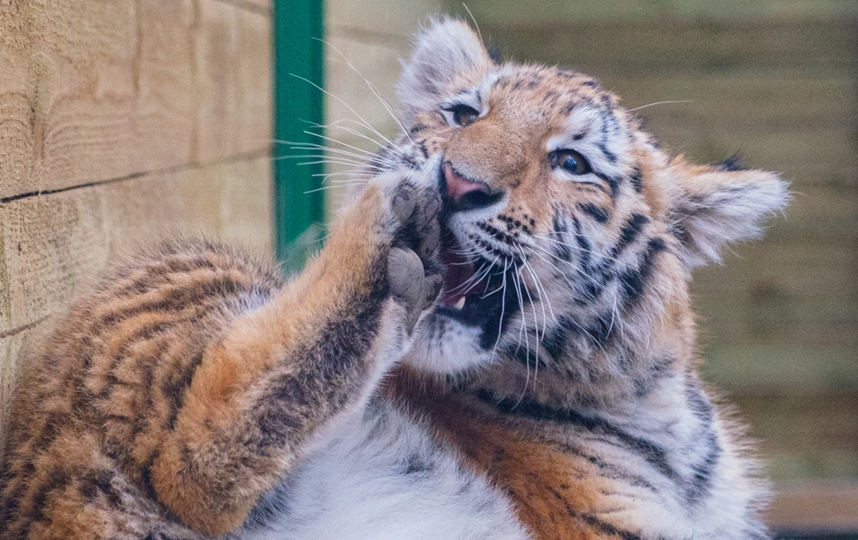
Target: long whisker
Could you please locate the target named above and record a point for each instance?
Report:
(337, 125)
(357, 151)
(474, 20)
(522, 329)
(575, 248)
(346, 105)
(660, 103)
(372, 88)
(503, 308)
(324, 155)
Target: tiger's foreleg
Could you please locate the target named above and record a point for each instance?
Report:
(280, 374)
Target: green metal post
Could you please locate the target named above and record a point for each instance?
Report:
(298, 49)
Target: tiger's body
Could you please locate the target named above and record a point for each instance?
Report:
(545, 389)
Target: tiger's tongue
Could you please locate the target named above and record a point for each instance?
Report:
(458, 274)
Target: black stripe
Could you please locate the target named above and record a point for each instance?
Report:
(629, 232)
(699, 403)
(636, 180)
(596, 212)
(612, 157)
(583, 244)
(613, 183)
(597, 332)
(608, 470)
(634, 281)
(702, 472)
(554, 340)
(731, 164)
(607, 528)
(331, 371)
(654, 454)
(527, 356)
(593, 521)
(560, 248)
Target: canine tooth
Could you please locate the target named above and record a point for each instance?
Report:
(461, 303)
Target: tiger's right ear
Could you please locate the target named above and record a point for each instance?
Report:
(445, 50)
(713, 205)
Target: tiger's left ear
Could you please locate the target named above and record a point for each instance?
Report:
(446, 49)
(717, 204)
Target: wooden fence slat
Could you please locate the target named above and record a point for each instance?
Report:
(230, 202)
(85, 88)
(233, 81)
(51, 244)
(673, 45)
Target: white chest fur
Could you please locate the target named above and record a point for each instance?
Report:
(382, 477)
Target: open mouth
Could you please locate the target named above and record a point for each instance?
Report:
(475, 292)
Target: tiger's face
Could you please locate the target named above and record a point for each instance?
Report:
(568, 235)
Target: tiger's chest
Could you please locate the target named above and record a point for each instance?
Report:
(384, 476)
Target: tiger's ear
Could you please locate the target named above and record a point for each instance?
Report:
(716, 204)
(445, 50)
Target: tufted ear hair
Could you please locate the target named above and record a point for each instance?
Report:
(443, 51)
(716, 204)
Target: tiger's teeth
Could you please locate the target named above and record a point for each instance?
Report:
(460, 304)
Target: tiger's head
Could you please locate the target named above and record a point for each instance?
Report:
(568, 234)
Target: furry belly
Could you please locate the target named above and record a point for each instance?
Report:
(382, 477)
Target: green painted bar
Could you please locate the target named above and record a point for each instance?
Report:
(298, 58)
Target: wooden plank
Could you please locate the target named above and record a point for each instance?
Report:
(54, 243)
(793, 295)
(390, 17)
(818, 213)
(780, 368)
(611, 49)
(815, 507)
(259, 6)
(16, 116)
(71, 106)
(761, 271)
(549, 11)
(736, 112)
(165, 110)
(233, 81)
(229, 201)
(85, 88)
(51, 244)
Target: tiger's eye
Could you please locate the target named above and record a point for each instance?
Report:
(464, 115)
(572, 162)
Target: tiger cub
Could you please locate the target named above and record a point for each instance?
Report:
(495, 343)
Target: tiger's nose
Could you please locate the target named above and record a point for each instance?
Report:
(466, 194)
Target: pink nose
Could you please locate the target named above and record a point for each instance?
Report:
(458, 186)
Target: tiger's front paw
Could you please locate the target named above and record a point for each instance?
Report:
(414, 271)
